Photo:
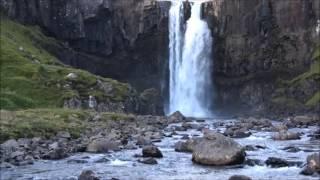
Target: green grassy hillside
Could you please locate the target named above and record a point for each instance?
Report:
(34, 85)
(33, 78)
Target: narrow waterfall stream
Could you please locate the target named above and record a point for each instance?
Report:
(190, 62)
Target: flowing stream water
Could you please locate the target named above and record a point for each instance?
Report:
(190, 62)
(174, 165)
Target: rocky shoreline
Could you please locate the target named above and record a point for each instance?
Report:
(211, 147)
(102, 136)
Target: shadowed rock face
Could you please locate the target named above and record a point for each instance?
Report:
(122, 39)
(258, 42)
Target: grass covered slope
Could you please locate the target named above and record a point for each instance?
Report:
(33, 78)
(34, 85)
(41, 123)
(46, 123)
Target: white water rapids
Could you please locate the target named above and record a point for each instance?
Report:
(190, 62)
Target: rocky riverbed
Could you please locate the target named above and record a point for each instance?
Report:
(149, 147)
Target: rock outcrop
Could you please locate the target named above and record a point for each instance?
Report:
(259, 42)
(106, 37)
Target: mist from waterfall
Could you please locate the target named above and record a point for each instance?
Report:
(190, 62)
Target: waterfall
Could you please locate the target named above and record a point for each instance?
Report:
(190, 62)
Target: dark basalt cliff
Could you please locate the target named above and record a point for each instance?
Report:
(122, 39)
(258, 44)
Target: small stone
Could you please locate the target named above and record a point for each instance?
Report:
(54, 145)
(185, 137)
(25, 163)
(63, 134)
(56, 154)
(103, 145)
(200, 120)
(72, 76)
(16, 154)
(276, 162)
(148, 161)
(181, 147)
(102, 160)
(10, 145)
(151, 151)
(77, 161)
(143, 141)
(253, 162)
(5, 165)
(291, 149)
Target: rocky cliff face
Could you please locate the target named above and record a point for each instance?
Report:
(258, 42)
(107, 37)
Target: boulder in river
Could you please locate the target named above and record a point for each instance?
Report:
(88, 175)
(181, 147)
(151, 151)
(239, 177)
(103, 145)
(237, 132)
(56, 154)
(313, 164)
(176, 117)
(142, 141)
(286, 135)
(148, 161)
(278, 162)
(218, 150)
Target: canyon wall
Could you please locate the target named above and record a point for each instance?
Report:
(257, 44)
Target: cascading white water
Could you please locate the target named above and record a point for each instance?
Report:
(190, 62)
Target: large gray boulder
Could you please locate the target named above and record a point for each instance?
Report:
(218, 150)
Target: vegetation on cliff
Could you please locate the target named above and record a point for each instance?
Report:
(306, 85)
(31, 77)
(34, 86)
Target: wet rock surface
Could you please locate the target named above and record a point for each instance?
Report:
(313, 165)
(151, 151)
(216, 149)
(286, 135)
(88, 175)
(278, 162)
(148, 161)
(239, 177)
